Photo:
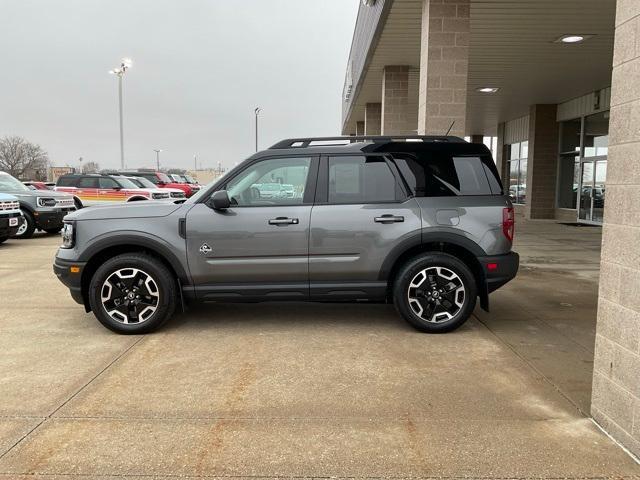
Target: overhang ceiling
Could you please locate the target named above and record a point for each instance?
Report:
(512, 47)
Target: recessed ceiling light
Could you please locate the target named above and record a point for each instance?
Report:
(487, 89)
(573, 38)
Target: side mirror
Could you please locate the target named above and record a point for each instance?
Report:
(220, 200)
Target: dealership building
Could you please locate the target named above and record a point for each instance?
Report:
(556, 85)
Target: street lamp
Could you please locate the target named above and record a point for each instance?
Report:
(257, 112)
(125, 64)
(158, 159)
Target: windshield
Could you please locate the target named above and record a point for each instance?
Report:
(10, 184)
(164, 178)
(126, 183)
(145, 183)
(189, 178)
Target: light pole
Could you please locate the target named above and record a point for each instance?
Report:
(257, 112)
(158, 159)
(125, 64)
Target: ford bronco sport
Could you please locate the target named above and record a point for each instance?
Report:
(424, 224)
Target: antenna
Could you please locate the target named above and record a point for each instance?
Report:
(450, 127)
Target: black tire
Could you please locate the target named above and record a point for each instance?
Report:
(3, 239)
(163, 279)
(53, 231)
(31, 226)
(77, 203)
(435, 297)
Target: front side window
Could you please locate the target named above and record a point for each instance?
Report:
(107, 183)
(11, 184)
(276, 181)
(361, 179)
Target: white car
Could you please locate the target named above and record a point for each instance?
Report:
(143, 183)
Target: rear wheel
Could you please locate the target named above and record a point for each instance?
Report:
(435, 292)
(132, 293)
(27, 227)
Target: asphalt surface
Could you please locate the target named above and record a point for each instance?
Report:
(307, 390)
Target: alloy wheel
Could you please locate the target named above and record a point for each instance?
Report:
(436, 294)
(130, 295)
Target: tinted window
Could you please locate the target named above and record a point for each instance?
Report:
(88, 182)
(263, 183)
(107, 183)
(66, 181)
(433, 175)
(362, 180)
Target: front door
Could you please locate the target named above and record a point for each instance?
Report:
(592, 190)
(362, 213)
(258, 246)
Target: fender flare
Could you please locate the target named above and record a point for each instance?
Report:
(136, 239)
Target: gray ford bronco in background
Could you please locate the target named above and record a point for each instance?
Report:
(42, 209)
(422, 222)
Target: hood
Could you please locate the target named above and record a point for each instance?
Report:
(142, 209)
(42, 193)
(5, 197)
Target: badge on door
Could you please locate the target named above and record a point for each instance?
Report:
(205, 249)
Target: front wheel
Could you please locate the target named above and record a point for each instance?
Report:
(27, 227)
(435, 292)
(3, 239)
(132, 293)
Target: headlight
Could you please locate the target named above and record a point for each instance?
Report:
(68, 235)
(46, 202)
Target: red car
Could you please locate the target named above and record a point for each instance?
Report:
(162, 180)
(40, 185)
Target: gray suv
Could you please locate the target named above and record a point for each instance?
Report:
(422, 222)
(41, 209)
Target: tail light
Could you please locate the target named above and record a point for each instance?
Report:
(508, 223)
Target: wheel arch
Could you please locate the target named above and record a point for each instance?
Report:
(136, 198)
(457, 245)
(108, 247)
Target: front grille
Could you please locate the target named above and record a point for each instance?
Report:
(160, 196)
(65, 202)
(9, 205)
(177, 194)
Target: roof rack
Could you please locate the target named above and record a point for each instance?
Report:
(324, 141)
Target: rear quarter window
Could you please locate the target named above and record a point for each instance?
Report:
(431, 175)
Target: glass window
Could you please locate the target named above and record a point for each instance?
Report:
(88, 182)
(362, 180)
(596, 135)
(276, 181)
(518, 155)
(66, 181)
(107, 183)
(11, 184)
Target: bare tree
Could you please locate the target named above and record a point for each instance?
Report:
(22, 159)
(90, 167)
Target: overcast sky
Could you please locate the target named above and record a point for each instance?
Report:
(200, 68)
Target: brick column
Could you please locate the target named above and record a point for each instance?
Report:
(360, 128)
(372, 118)
(395, 101)
(444, 60)
(501, 161)
(542, 164)
(615, 403)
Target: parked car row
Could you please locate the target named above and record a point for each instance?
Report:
(33, 205)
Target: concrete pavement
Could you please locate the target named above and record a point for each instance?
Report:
(305, 390)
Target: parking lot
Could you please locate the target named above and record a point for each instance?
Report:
(308, 390)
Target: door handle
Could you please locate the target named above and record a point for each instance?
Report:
(284, 221)
(389, 219)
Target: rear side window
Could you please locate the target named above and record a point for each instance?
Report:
(88, 182)
(66, 181)
(433, 175)
(361, 179)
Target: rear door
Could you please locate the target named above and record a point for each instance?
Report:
(363, 213)
(87, 190)
(259, 246)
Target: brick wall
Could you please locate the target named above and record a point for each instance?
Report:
(542, 164)
(616, 378)
(372, 118)
(444, 60)
(396, 117)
